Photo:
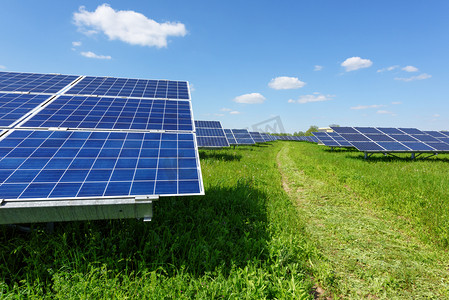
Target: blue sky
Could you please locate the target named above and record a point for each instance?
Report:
(353, 63)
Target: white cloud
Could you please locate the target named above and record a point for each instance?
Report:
(76, 44)
(384, 112)
(253, 98)
(318, 68)
(311, 98)
(234, 112)
(396, 102)
(436, 115)
(226, 109)
(90, 54)
(126, 25)
(391, 68)
(355, 63)
(2, 67)
(410, 69)
(367, 106)
(413, 78)
(286, 83)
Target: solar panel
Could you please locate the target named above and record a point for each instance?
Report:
(126, 87)
(242, 137)
(341, 130)
(34, 83)
(64, 164)
(435, 134)
(15, 106)
(118, 146)
(210, 134)
(371, 139)
(256, 137)
(266, 137)
(114, 113)
(230, 137)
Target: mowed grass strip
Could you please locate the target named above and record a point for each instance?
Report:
(376, 222)
(243, 240)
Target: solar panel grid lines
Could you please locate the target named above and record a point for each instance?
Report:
(332, 139)
(256, 136)
(210, 134)
(87, 112)
(230, 137)
(394, 140)
(242, 137)
(14, 106)
(34, 82)
(61, 164)
(126, 87)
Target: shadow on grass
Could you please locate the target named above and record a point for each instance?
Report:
(339, 150)
(224, 229)
(216, 155)
(403, 157)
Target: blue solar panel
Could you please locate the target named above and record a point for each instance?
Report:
(367, 130)
(424, 138)
(208, 124)
(257, 137)
(367, 146)
(242, 137)
(65, 164)
(436, 134)
(34, 83)
(332, 139)
(411, 130)
(403, 138)
(210, 134)
(418, 146)
(379, 137)
(340, 130)
(354, 137)
(230, 137)
(393, 146)
(440, 146)
(114, 113)
(388, 130)
(124, 87)
(14, 106)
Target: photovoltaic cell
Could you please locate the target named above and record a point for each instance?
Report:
(15, 106)
(114, 113)
(64, 164)
(34, 83)
(242, 137)
(210, 134)
(124, 87)
(257, 137)
(230, 137)
(341, 130)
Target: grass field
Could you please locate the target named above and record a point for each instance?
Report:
(280, 220)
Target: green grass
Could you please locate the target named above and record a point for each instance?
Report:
(358, 229)
(376, 222)
(233, 243)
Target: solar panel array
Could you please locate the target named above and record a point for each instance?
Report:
(210, 134)
(135, 140)
(332, 139)
(257, 138)
(126, 87)
(383, 139)
(242, 137)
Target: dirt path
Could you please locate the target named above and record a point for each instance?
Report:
(365, 253)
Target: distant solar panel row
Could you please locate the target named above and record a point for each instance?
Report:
(49, 164)
(114, 113)
(210, 134)
(332, 139)
(123, 87)
(370, 139)
(257, 138)
(230, 137)
(34, 83)
(242, 137)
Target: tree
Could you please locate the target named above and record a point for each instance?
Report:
(334, 125)
(312, 128)
(299, 133)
